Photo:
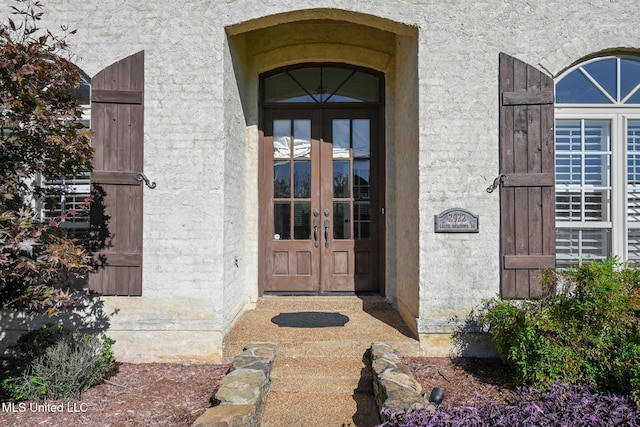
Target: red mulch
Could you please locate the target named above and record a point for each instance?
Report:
(164, 394)
(150, 394)
(459, 378)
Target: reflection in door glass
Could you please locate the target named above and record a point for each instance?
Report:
(282, 221)
(302, 138)
(302, 221)
(362, 220)
(341, 138)
(361, 138)
(281, 179)
(281, 139)
(341, 184)
(302, 179)
(341, 221)
(361, 179)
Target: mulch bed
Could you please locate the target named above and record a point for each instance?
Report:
(166, 394)
(150, 394)
(462, 378)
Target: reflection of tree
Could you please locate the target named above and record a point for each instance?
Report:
(281, 187)
(302, 185)
(340, 184)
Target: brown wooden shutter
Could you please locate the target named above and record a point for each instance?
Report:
(117, 114)
(527, 194)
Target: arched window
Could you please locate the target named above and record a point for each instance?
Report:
(597, 143)
(328, 83)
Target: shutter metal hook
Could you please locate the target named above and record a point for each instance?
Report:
(142, 177)
(496, 182)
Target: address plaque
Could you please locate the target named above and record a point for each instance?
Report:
(456, 220)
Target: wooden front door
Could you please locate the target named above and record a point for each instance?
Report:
(321, 204)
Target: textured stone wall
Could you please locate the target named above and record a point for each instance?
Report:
(202, 60)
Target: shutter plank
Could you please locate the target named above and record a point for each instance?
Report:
(513, 262)
(527, 98)
(117, 96)
(529, 180)
(114, 178)
(123, 259)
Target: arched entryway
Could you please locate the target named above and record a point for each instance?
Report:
(339, 37)
(322, 188)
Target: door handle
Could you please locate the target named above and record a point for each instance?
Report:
(326, 233)
(315, 233)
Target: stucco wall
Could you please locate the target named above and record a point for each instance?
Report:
(202, 60)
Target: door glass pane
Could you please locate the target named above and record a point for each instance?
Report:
(362, 220)
(341, 221)
(334, 79)
(281, 139)
(633, 173)
(302, 138)
(360, 87)
(341, 179)
(302, 221)
(281, 221)
(361, 183)
(361, 138)
(311, 80)
(281, 179)
(341, 138)
(302, 179)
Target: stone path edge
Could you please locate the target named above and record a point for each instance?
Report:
(240, 399)
(395, 388)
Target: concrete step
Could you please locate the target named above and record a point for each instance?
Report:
(323, 385)
(332, 375)
(323, 303)
(319, 410)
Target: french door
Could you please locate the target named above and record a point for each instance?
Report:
(321, 201)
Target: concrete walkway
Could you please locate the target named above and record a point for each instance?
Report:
(320, 377)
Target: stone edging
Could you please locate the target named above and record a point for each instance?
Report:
(240, 399)
(394, 386)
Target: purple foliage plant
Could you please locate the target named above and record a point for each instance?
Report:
(562, 405)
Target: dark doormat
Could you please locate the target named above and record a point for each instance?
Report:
(310, 319)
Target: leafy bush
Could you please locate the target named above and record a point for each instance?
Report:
(583, 329)
(53, 363)
(561, 405)
(41, 134)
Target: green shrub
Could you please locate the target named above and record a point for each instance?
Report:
(53, 363)
(584, 328)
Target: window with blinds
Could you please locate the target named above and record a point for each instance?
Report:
(597, 161)
(63, 195)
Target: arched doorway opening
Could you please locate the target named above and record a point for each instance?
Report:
(321, 36)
